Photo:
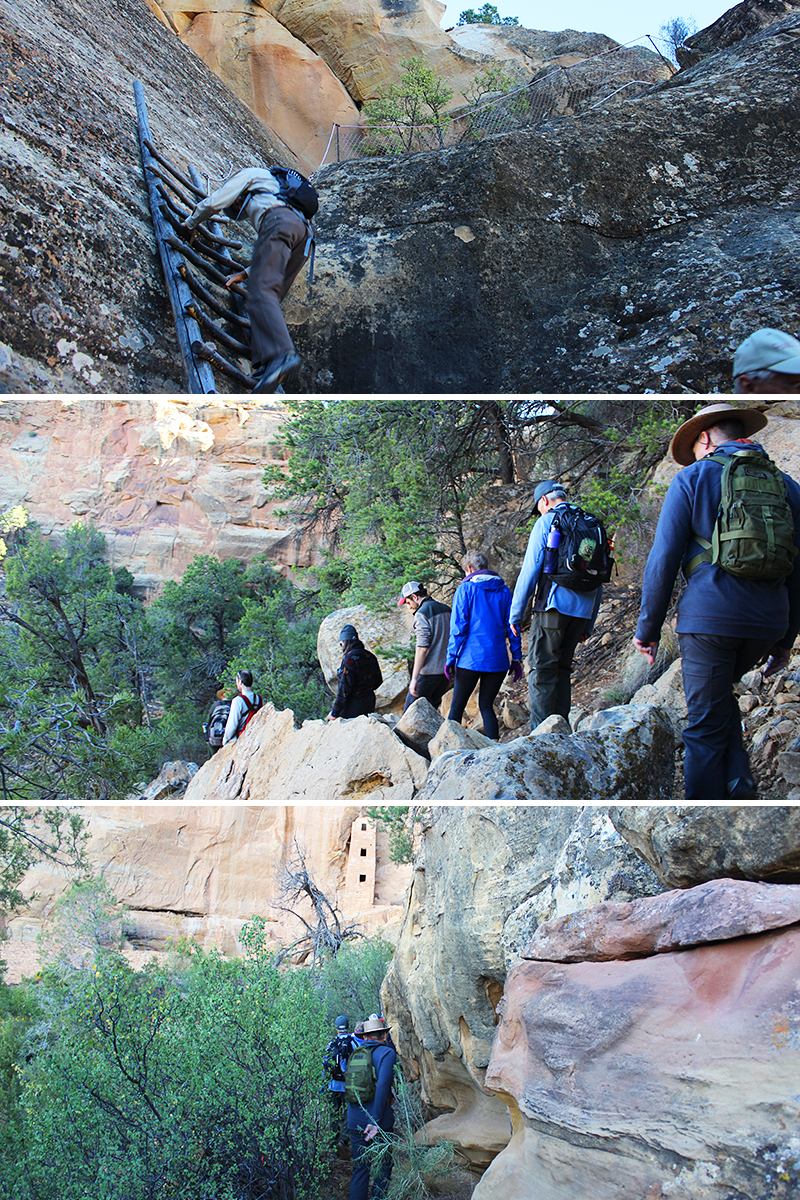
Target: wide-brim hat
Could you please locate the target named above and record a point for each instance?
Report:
(376, 1026)
(685, 437)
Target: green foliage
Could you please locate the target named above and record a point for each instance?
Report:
(400, 821)
(417, 100)
(486, 15)
(612, 498)
(388, 479)
(29, 835)
(490, 82)
(84, 921)
(418, 1166)
(350, 981)
(197, 1079)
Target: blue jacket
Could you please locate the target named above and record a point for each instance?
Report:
(714, 601)
(564, 600)
(378, 1110)
(479, 625)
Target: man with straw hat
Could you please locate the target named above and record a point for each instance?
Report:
(728, 618)
(368, 1089)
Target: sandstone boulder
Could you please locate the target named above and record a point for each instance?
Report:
(712, 912)
(673, 1075)
(383, 633)
(451, 736)
(631, 755)
(359, 761)
(418, 725)
(692, 844)
(482, 880)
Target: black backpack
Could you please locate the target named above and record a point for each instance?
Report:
(296, 191)
(216, 726)
(369, 676)
(584, 552)
(339, 1051)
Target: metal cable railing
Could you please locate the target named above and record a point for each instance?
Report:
(565, 91)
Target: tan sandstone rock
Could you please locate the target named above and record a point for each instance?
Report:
(201, 871)
(670, 1076)
(163, 478)
(282, 80)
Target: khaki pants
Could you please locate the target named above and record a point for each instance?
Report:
(278, 257)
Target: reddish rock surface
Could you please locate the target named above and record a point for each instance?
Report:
(713, 912)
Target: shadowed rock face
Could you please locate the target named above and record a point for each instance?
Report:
(621, 251)
(625, 250)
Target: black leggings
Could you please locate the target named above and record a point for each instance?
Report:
(491, 682)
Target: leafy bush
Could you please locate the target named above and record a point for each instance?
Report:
(350, 982)
(200, 1079)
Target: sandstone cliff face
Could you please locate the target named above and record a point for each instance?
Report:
(163, 479)
(82, 290)
(201, 871)
(642, 1043)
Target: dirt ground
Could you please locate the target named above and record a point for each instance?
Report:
(460, 1186)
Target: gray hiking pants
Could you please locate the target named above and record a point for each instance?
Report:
(278, 257)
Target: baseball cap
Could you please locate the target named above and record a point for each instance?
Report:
(543, 488)
(768, 350)
(408, 589)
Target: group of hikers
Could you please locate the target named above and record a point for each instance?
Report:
(280, 203)
(360, 1071)
(730, 522)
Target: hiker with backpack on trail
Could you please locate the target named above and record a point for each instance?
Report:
(242, 708)
(368, 1091)
(731, 522)
(334, 1062)
(481, 641)
(359, 677)
(279, 203)
(566, 563)
(214, 728)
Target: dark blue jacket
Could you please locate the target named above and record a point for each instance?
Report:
(479, 625)
(378, 1110)
(714, 602)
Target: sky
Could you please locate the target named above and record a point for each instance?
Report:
(622, 20)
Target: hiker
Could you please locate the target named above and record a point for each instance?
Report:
(338, 1050)
(285, 237)
(479, 630)
(431, 633)
(369, 1109)
(741, 604)
(768, 362)
(214, 728)
(242, 708)
(564, 606)
(359, 676)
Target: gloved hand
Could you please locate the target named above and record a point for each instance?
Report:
(450, 671)
(515, 670)
(776, 660)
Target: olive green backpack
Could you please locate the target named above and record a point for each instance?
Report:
(360, 1077)
(754, 534)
